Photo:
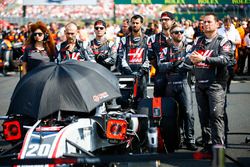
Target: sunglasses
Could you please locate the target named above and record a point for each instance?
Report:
(177, 32)
(99, 28)
(38, 33)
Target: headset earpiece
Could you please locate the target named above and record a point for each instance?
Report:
(46, 37)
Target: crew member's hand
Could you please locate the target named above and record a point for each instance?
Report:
(196, 57)
(177, 63)
(70, 47)
(102, 56)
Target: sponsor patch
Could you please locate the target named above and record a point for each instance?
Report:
(206, 53)
(224, 40)
(226, 48)
(135, 55)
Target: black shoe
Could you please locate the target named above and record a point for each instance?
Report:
(207, 149)
(191, 146)
(180, 146)
(206, 152)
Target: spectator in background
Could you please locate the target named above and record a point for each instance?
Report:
(150, 29)
(61, 35)
(198, 31)
(157, 26)
(188, 32)
(12, 34)
(2, 33)
(247, 41)
(110, 33)
(53, 27)
(241, 48)
(28, 32)
(22, 33)
(229, 32)
(39, 47)
(220, 23)
(125, 29)
(83, 34)
(236, 22)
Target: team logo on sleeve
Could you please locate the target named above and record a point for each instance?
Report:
(226, 48)
(135, 55)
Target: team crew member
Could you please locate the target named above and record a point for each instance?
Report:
(172, 65)
(39, 47)
(133, 51)
(10, 38)
(73, 48)
(105, 51)
(210, 58)
(158, 42)
(125, 30)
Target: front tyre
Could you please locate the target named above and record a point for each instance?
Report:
(169, 125)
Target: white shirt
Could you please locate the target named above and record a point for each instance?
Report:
(189, 34)
(232, 34)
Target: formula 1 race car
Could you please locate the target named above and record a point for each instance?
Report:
(81, 119)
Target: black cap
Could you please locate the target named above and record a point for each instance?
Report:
(167, 14)
(100, 22)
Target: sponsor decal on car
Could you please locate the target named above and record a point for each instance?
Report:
(100, 96)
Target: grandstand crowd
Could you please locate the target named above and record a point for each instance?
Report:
(104, 10)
